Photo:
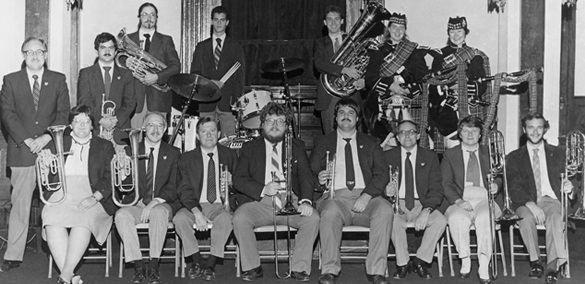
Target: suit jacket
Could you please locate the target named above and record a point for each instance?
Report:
(190, 174)
(91, 87)
(427, 171)
(371, 158)
(251, 169)
(203, 65)
(521, 184)
(163, 49)
(21, 119)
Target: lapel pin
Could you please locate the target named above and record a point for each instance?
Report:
(119, 77)
(46, 83)
(164, 157)
(422, 164)
(361, 146)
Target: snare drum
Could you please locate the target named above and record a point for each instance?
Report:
(251, 103)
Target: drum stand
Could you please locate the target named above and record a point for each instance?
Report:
(288, 100)
(181, 123)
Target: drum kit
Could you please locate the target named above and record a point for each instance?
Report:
(195, 87)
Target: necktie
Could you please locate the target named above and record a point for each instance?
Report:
(107, 81)
(217, 52)
(349, 175)
(147, 42)
(409, 182)
(536, 172)
(276, 168)
(36, 91)
(473, 175)
(211, 194)
(336, 45)
(149, 178)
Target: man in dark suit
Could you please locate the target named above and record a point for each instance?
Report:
(361, 174)
(464, 169)
(157, 199)
(417, 199)
(161, 47)
(204, 195)
(535, 186)
(324, 49)
(104, 81)
(261, 166)
(212, 59)
(31, 100)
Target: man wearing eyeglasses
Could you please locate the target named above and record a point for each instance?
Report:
(418, 190)
(259, 180)
(161, 47)
(31, 100)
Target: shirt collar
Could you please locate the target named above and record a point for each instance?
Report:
(466, 148)
(148, 145)
(352, 136)
(39, 73)
(222, 37)
(102, 65)
(142, 32)
(412, 152)
(531, 147)
(204, 152)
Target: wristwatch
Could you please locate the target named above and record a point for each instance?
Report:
(305, 202)
(431, 209)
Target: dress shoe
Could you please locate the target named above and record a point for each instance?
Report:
(139, 276)
(551, 278)
(208, 273)
(402, 271)
(9, 264)
(154, 277)
(484, 281)
(300, 276)
(195, 271)
(377, 279)
(464, 275)
(536, 270)
(252, 274)
(421, 269)
(327, 278)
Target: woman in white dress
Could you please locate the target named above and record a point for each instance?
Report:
(87, 208)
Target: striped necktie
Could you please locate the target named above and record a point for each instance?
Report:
(107, 81)
(217, 52)
(149, 178)
(536, 172)
(336, 45)
(36, 91)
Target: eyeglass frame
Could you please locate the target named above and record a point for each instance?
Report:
(31, 53)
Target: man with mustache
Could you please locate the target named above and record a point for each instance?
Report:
(157, 201)
(260, 169)
(361, 174)
(104, 80)
(535, 188)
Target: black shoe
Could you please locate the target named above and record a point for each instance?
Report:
(536, 270)
(300, 276)
(154, 277)
(252, 274)
(208, 273)
(402, 271)
(139, 276)
(327, 278)
(9, 264)
(484, 281)
(195, 271)
(551, 278)
(464, 275)
(377, 279)
(421, 269)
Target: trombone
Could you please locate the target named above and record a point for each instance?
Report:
(123, 166)
(53, 164)
(108, 109)
(394, 184)
(498, 167)
(330, 168)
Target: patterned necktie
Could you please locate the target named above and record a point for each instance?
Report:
(107, 81)
(149, 178)
(211, 194)
(409, 182)
(472, 174)
(336, 45)
(275, 165)
(349, 175)
(147, 42)
(36, 91)
(536, 172)
(217, 52)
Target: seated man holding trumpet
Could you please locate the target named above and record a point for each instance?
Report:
(204, 175)
(357, 178)
(258, 183)
(156, 201)
(415, 185)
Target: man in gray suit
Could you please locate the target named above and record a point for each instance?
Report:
(31, 100)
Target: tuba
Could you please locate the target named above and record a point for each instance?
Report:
(146, 62)
(225, 182)
(53, 164)
(330, 184)
(574, 164)
(354, 51)
(108, 109)
(123, 166)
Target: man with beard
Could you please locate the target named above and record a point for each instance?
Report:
(157, 201)
(202, 199)
(535, 190)
(106, 81)
(361, 174)
(261, 166)
(161, 47)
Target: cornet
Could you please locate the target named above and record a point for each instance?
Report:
(53, 164)
(394, 184)
(123, 166)
(575, 156)
(225, 182)
(330, 183)
(108, 109)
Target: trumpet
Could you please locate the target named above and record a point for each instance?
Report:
(225, 182)
(330, 183)
(394, 184)
(575, 156)
(123, 166)
(498, 167)
(53, 164)
(108, 109)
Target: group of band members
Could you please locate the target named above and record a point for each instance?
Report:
(185, 188)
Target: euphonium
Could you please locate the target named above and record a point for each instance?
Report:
(225, 182)
(330, 183)
(498, 166)
(574, 163)
(53, 164)
(123, 166)
(394, 183)
(146, 62)
(108, 109)
(354, 51)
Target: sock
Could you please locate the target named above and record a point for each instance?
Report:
(196, 258)
(465, 265)
(211, 260)
(418, 261)
(153, 263)
(138, 265)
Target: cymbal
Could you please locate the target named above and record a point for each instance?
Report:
(282, 65)
(205, 89)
